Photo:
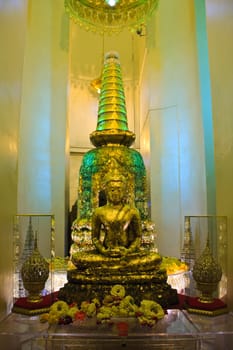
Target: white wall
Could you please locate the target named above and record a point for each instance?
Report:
(12, 37)
(75, 163)
(174, 117)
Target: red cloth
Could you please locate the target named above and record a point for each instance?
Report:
(46, 302)
(184, 302)
(194, 302)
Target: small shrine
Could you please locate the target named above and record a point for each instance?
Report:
(113, 236)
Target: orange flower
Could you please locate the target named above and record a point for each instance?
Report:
(80, 315)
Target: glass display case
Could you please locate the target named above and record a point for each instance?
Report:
(177, 330)
(27, 229)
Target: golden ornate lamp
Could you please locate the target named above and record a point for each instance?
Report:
(110, 16)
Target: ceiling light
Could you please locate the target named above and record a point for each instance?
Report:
(111, 2)
(110, 16)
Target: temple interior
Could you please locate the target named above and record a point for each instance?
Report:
(178, 78)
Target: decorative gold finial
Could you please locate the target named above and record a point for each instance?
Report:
(188, 252)
(207, 273)
(35, 272)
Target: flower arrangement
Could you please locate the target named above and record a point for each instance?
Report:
(114, 304)
(173, 265)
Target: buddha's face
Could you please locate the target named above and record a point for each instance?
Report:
(115, 192)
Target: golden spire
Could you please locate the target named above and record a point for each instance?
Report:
(112, 125)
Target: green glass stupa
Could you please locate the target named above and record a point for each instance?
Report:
(128, 255)
(112, 140)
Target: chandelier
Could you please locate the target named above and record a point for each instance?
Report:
(110, 16)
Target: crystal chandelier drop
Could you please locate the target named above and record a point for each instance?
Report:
(110, 16)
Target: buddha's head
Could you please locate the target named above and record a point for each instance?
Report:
(115, 187)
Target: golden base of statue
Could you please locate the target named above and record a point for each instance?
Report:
(83, 286)
(117, 256)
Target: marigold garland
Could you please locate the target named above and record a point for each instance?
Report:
(115, 304)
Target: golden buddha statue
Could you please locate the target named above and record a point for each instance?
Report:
(116, 234)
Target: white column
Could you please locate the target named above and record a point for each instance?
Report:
(177, 150)
(219, 16)
(13, 17)
(42, 146)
